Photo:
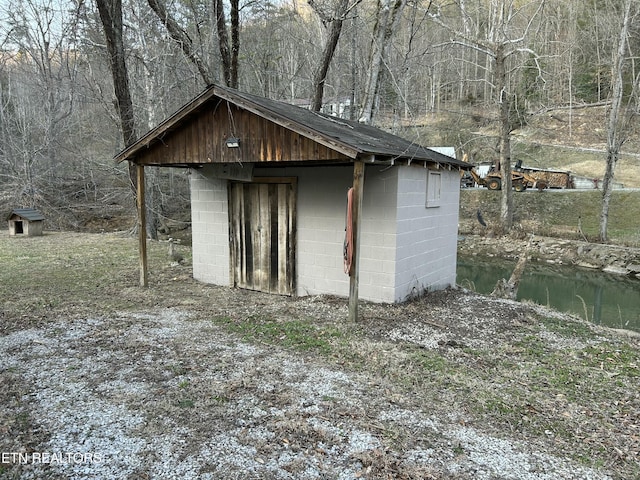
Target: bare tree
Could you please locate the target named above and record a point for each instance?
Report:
(333, 22)
(37, 97)
(620, 114)
(111, 17)
(502, 38)
(112, 23)
(228, 53)
(387, 17)
(228, 43)
(182, 38)
(278, 43)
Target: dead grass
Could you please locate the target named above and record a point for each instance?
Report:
(557, 213)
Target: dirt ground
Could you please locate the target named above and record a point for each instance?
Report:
(192, 381)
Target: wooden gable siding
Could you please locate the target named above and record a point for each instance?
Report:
(202, 139)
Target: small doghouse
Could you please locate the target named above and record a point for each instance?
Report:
(25, 221)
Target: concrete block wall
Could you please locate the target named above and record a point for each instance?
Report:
(210, 227)
(379, 234)
(405, 247)
(426, 237)
(322, 200)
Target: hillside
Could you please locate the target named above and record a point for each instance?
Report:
(573, 140)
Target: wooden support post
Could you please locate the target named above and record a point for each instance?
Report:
(142, 225)
(358, 184)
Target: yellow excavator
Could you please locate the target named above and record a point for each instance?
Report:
(493, 180)
(520, 181)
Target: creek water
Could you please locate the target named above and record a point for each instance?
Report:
(603, 299)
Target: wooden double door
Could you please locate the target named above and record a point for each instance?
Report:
(263, 234)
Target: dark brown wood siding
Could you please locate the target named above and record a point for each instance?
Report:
(202, 139)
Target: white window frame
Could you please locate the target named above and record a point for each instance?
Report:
(434, 188)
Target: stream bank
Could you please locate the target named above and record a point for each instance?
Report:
(613, 259)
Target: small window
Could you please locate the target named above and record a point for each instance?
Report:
(434, 185)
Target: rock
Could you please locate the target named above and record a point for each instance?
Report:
(600, 252)
(633, 268)
(616, 270)
(583, 264)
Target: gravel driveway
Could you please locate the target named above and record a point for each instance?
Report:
(165, 394)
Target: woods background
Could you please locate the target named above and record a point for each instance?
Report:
(465, 73)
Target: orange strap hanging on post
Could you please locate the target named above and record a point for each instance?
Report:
(348, 235)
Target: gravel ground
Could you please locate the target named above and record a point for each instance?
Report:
(165, 394)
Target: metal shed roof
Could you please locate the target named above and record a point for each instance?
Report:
(350, 138)
(30, 214)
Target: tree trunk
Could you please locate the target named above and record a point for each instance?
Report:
(617, 128)
(223, 40)
(504, 155)
(509, 288)
(235, 43)
(181, 38)
(228, 53)
(387, 18)
(334, 24)
(320, 75)
(111, 17)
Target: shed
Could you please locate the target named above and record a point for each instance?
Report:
(269, 199)
(25, 221)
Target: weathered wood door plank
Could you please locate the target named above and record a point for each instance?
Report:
(262, 222)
